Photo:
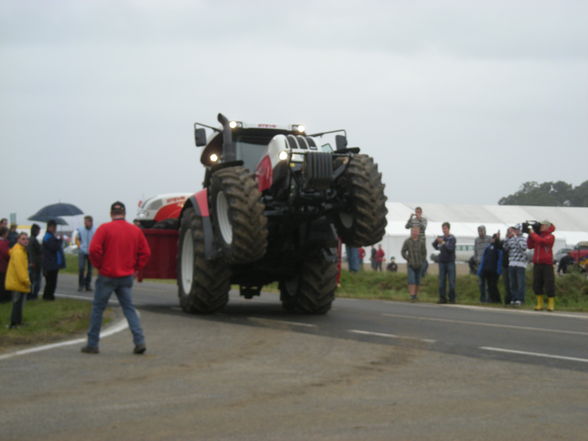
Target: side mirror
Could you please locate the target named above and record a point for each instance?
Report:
(341, 142)
(200, 137)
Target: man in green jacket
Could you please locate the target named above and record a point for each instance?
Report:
(414, 252)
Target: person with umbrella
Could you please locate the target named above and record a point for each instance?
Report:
(53, 259)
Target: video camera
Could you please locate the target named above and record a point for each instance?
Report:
(535, 225)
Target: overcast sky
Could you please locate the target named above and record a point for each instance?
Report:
(458, 101)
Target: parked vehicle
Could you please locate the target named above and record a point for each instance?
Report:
(463, 253)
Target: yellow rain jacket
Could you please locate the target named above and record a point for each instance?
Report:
(17, 273)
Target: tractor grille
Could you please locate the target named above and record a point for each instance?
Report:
(317, 171)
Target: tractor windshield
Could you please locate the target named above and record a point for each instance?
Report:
(251, 145)
(250, 153)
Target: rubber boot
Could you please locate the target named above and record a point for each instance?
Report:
(539, 306)
(550, 304)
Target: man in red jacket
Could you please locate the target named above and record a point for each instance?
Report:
(543, 277)
(118, 250)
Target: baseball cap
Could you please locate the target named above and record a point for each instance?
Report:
(117, 207)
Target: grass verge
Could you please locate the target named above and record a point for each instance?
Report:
(571, 289)
(46, 322)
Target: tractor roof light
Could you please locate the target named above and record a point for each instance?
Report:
(235, 124)
(298, 128)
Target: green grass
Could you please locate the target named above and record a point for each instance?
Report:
(46, 322)
(71, 264)
(571, 289)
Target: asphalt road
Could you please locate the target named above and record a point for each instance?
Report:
(370, 370)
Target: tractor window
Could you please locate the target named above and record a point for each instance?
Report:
(250, 154)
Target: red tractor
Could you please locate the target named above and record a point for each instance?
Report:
(274, 205)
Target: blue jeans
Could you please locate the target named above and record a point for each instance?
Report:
(122, 287)
(414, 275)
(483, 291)
(516, 274)
(35, 276)
(84, 271)
(447, 274)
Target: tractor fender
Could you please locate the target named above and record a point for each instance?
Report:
(199, 203)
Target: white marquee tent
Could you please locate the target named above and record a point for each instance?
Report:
(571, 222)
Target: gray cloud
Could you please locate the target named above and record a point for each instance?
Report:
(458, 101)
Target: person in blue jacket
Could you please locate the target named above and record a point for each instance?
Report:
(53, 259)
(490, 267)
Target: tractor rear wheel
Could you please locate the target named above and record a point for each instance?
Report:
(362, 221)
(238, 215)
(203, 285)
(312, 290)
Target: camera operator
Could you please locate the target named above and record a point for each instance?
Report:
(543, 277)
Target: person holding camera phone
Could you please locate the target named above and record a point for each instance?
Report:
(446, 246)
(543, 276)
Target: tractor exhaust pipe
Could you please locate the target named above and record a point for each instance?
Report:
(229, 151)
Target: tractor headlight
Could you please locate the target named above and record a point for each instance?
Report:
(283, 155)
(213, 157)
(235, 124)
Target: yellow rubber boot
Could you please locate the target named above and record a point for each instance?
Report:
(551, 304)
(539, 305)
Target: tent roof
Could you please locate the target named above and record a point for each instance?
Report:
(571, 222)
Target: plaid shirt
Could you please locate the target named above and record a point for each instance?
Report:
(516, 247)
(414, 252)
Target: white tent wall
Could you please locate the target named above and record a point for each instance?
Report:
(571, 223)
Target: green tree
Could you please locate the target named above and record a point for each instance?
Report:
(552, 194)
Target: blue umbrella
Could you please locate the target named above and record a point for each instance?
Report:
(55, 211)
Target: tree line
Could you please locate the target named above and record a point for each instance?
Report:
(552, 194)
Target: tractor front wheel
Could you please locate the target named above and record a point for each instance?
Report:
(362, 221)
(203, 285)
(238, 215)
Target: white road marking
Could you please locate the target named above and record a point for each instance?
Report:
(534, 354)
(117, 327)
(385, 335)
(491, 325)
(583, 316)
(285, 322)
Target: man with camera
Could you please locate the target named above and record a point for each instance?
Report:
(541, 241)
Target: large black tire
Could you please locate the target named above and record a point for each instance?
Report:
(203, 285)
(239, 222)
(362, 221)
(312, 291)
